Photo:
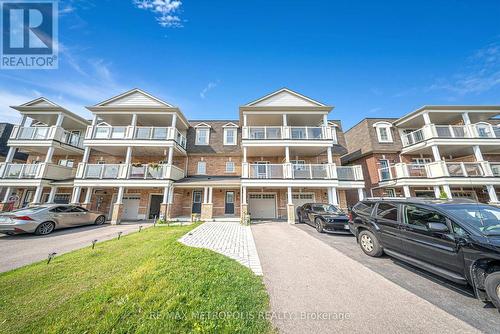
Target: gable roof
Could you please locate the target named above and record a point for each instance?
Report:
(230, 125)
(202, 125)
(40, 102)
(285, 98)
(133, 98)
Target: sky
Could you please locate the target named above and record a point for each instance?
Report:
(366, 58)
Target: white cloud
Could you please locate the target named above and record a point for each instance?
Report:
(166, 11)
(7, 99)
(209, 87)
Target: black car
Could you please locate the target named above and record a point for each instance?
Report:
(324, 217)
(456, 239)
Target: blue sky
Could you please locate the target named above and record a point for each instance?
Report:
(209, 57)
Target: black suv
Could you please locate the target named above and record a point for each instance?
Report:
(456, 239)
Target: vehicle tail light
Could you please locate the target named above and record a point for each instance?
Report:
(22, 218)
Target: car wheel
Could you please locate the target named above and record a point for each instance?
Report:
(299, 218)
(370, 244)
(492, 286)
(45, 228)
(319, 225)
(100, 220)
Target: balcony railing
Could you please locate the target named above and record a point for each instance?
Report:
(289, 132)
(479, 130)
(135, 133)
(302, 171)
(46, 133)
(439, 169)
(132, 171)
(36, 171)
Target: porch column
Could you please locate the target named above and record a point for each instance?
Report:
(10, 154)
(335, 197)
(86, 155)
(170, 155)
(59, 120)
(325, 120)
(75, 199)
(287, 154)
(164, 206)
(447, 190)
(466, 119)
(210, 195)
(116, 216)
(207, 206)
(23, 121)
(52, 195)
(205, 195)
(437, 192)
(88, 198)
(245, 120)
(133, 124)
(361, 194)
(285, 123)
(244, 205)
(128, 158)
(38, 195)
(435, 153)
(7, 194)
(406, 190)
(477, 153)
(5, 205)
(50, 154)
(244, 154)
(492, 193)
(290, 207)
(427, 119)
(329, 155)
(174, 120)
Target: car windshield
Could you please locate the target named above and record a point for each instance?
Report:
(483, 218)
(326, 208)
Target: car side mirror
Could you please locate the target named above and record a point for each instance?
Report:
(437, 227)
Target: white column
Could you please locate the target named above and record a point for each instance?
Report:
(59, 120)
(7, 194)
(134, 120)
(325, 120)
(245, 120)
(492, 193)
(171, 195)
(86, 155)
(435, 153)
(244, 154)
(329, 154)
(437, 192)
(119, 197)
(50, 154)
(285, 123)
(94, 121)
(174, 120)
(128, 158)
(427, 119)
(210, 194)
(477, 153)
(330, 197)
(361, 194)
(76, 195)
(170, 155)
(38, 194)
(23, 121)
(166, 192)
(88, 195)
(335, 197)
(10, 154)
(406, 191)
(287, 154)
(205, 195)
(447, 190)
(244, 195)
(465, 117)
(52, 195)
(290, 199)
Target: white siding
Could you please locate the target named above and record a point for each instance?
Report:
(135, 99)
(285, 99)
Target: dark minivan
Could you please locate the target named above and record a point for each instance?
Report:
(456, 239)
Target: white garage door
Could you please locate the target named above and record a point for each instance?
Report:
(301, 199)
(131, 207)
(262, 205)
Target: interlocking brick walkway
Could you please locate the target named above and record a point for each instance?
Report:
(227, 238)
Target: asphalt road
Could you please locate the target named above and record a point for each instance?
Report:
(20, 250)
(315, 288)
(455, 299)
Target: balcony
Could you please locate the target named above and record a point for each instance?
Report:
(128, 172)
(302, 172)
(36, 171)
(143, 133)
(41, 133)
(439, 169)
(288, 133)
(479, 130)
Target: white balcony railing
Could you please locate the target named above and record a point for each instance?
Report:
(479, 130)
(128, 172)
(289, 132)
(302, 171)
(135, 133)
(439, 169)
(36, 171)
(46, 133)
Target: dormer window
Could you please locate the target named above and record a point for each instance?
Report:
(383, 130)
(202, 134)
(230, 134)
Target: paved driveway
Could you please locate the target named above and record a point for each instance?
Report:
(20, 250)
(314, 288)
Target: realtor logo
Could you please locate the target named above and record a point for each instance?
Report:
(29, 34)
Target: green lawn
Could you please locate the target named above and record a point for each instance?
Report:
(145, 282)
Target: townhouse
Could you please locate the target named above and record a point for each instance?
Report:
(435, 151)
(140, 158)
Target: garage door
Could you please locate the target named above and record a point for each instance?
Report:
(131, 207)
(301, 199)
(262, 205)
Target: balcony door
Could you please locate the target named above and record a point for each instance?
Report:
(262, 169)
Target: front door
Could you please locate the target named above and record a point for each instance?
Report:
(28, 197)
(154, 206)
(229, 207)
(196, 201)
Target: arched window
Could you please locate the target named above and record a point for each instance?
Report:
(384, 134)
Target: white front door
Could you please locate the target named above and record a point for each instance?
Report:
(131, 207)
(262, 206)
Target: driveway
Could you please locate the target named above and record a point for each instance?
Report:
(20, 250)
(314, 288)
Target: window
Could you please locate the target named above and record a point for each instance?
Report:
(420, 217)
(298, 164)
(230, 167)
(202, 168)
(67, 162)
(391, 192)
(384, 134)
(230, 136)
(60, 209)
(387, 211)
(363, 208)
(202, 136)
(421, 161)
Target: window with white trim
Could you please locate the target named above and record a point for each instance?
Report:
(230, 167)
(383, 130)
(391, 192)
(230, 136)
(201, 168)
(202, 136)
